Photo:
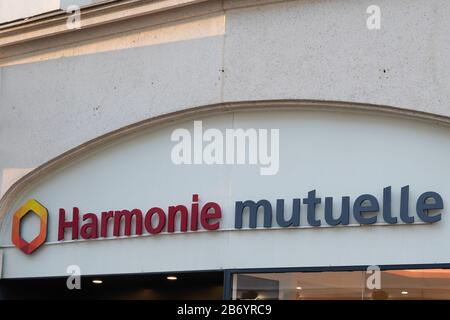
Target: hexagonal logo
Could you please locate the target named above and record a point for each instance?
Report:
(32, 206)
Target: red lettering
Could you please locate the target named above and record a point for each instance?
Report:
(89, 230)
(161, 220)
(206, 216)
(194, 213)
(104, 223)
(173, 210)
(63, 224)
(128, 221)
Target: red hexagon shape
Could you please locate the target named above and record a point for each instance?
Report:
(31, 206)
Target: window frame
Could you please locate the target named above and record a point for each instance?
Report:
(228, 273)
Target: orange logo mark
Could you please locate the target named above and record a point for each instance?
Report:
(32, 206)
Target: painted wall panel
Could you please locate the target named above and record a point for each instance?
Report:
(336, 153)
(317, 50)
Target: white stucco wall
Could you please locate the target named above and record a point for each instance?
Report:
(286, 50)
(11, 10)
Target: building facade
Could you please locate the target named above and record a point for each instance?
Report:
(114, 129)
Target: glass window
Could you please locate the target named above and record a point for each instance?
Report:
(342, 285)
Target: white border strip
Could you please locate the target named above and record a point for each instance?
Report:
(382, 224)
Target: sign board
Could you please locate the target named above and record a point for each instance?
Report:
(345, 189)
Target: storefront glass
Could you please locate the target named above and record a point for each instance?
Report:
(342, 285)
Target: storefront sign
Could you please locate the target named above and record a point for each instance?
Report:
(134, 222)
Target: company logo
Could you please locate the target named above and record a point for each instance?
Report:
(32, 206)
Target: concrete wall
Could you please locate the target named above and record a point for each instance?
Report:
(19, 9)
(11, 10)
(74, 89)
